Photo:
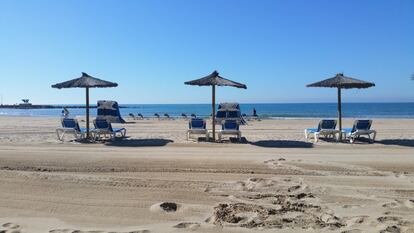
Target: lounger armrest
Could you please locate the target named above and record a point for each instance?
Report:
(118, 129)
(369, 131)
(197, 130)
(229, 131)
(329, 131)
(311, 130)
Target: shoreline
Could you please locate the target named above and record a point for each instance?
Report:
(208, 117)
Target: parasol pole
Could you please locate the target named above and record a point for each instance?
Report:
(214, 111)
(340, 113)
(87, 112)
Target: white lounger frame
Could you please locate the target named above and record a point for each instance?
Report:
(105, 132)
(229, 132)
(198, 132)
(358, 133)
(61, 132)
(334, 133)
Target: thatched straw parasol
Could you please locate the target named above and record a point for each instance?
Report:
(86, 81)
(341, 82)
(213, 80)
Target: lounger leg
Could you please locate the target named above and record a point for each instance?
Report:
(239, 136)
(306, 134)
(188, 135)
(58, 135)
(375, 135)
(316, 137)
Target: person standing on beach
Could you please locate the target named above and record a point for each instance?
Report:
(254, 112)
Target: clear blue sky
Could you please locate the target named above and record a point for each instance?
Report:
(151, 47)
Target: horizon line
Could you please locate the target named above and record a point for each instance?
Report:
(351, 102)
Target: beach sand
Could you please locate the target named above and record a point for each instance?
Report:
(156, 181)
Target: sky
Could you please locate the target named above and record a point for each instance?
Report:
(150, 48)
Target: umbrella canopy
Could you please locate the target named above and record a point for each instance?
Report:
(341, 82)
(85, 81)
(213, 80)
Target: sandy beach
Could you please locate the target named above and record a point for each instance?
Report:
(157, 181)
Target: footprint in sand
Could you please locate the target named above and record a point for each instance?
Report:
(73, 231)
(253, 184)
(409, 203)
(79, 231)
(62, 231)
(167, 207)
(188, 225)
(384, 219)
(293, 188)
(347, 206)
(10, 225)
(352, 231)
(10, 228)
(391, 229)
(140, 231)
(356, 220)
(390, 205)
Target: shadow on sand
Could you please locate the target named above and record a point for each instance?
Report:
(139, 142)
(398, 142)
(243, 140)
(282, 144)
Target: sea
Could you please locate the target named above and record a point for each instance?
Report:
(264, 110)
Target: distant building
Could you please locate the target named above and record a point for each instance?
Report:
(25, 103)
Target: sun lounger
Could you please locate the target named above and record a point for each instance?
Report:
(71, 126)
(360, 127)
(233, 114)
(103, 127)
(326, 128)
(230, 127)
(220, 116)
(197, 126)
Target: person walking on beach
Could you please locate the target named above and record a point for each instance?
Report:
(65, 112)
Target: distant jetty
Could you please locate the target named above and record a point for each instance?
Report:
(41, 106)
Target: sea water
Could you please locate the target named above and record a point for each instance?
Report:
(276, 110)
